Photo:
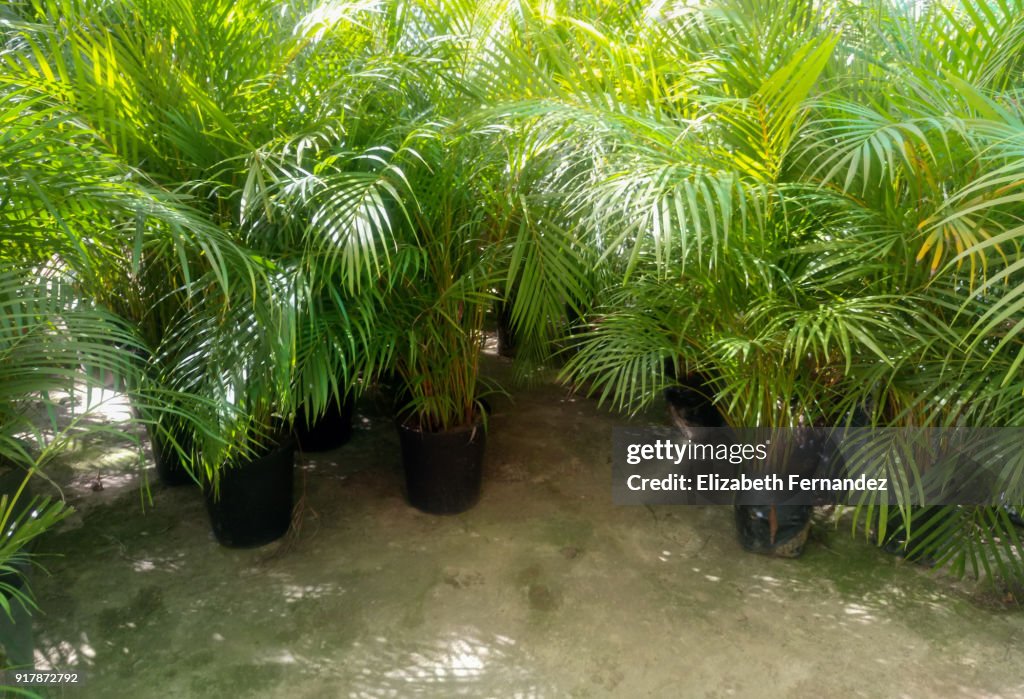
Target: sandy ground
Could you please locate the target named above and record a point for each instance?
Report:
(545, 589)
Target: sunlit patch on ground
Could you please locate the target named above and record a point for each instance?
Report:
(544, 590)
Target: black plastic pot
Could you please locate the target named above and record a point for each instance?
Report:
(775, 530)
(329, 432)
(690, 406)
(766, 522)
(255, 503)
(443, 470)
(169, 468)
(927, 533)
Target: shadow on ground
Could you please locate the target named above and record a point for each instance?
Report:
(543, 590)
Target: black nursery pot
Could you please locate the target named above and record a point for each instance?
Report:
(925, 522)
(766, 523)
(255, 504)
(443, 470)
(169, 468)
(775, 530)
(331, 431)
(779, 524)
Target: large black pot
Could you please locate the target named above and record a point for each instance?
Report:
(443, 470)
(930, 531)
(778, 524)
(775, 530)
(255, 503)
(329, 432)
(169, 468)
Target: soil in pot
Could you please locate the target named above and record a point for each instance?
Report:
(443, 470)
(256, 498)
(331, 431)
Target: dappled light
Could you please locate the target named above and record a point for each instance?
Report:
(163, 563)
(457, 664)
(66, 655)
(342, 341)
(373, 600)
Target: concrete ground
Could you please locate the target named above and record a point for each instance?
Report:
(545, 589)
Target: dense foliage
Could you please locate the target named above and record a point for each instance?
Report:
(817, 205)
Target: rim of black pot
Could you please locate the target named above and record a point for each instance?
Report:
(404, 418)
(287, 441)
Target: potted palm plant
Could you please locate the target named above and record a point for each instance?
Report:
(236, 149)
(783, 240)
(468, 234)
(242, 365)
(23, 520)
(429, 204)
(935, 239)
(435, 320)
(152, 247)
(48, 335)
(695, 198)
